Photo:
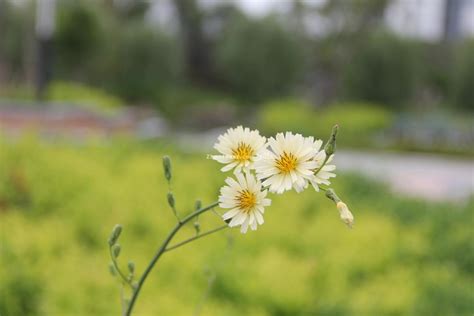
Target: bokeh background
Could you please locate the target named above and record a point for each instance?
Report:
(94, 93)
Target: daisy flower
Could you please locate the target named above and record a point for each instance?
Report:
(289, 163)
(322, 175)
(239, 146)
(246, 201)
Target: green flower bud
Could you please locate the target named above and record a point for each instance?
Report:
(167, 167)
(112, 270)
(131, 267)
(115, 234)
(116, 250)
(171, 201)
(197, 227)
(198, 205)
(330, 146)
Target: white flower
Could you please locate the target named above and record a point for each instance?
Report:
(246, 200)
(239, 147)
(345, 214)
(322, 175)
(289, 163)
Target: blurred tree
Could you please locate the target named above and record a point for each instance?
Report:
(463, 77)
(259, 58)
(139, 63)
(79, 38)
(129, 9)
(383, 70)
(349, 26)
(355, 16)
(15, 33)
(45, 26)
(198, 65)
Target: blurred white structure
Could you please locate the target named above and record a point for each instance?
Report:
(45, 18)
(415, 18)
(426, 18)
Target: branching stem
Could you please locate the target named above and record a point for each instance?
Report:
(114, 262)
(184, 242)
(161, 251)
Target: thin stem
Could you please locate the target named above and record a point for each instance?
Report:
(114, 262)
(162, 250)
(122, 299)
(210, 282)
(322, 165)
(329, 146)
(184, 242)
(175, 212)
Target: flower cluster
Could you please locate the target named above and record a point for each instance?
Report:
(278, 164)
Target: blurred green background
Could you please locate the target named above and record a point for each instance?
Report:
(94, 93)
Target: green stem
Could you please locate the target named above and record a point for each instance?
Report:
(196, 237)
(329, 147)
(161, 251)
(114, 262)
(322, 165)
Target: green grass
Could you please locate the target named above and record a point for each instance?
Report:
(359, 121)
(67, 93)
(59, 202)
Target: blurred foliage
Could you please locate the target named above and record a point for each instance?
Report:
(382, 69)
(123, 55)
(359, 122)
(462, 90)
(71, 92)
(78, 37)
(15, 40)
(142, 64)
(17, 93)
(351, 64)
(196, 107)
(360, 15)
(404, 256)
(66, 93)
(259, 58)
(21, 289)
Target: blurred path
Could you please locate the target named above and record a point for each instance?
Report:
(422, 175)
(428, 176)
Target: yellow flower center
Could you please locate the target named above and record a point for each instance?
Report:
(243, 152)
(286, 162)
(246, 200)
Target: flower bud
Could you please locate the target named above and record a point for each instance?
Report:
(345, 213)
(198, 205)
(131, 267)
(115, 235)
(112, 269)
(330, 146)
(197, 227)
(116, 250)
(167, 167)
(171, 201)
